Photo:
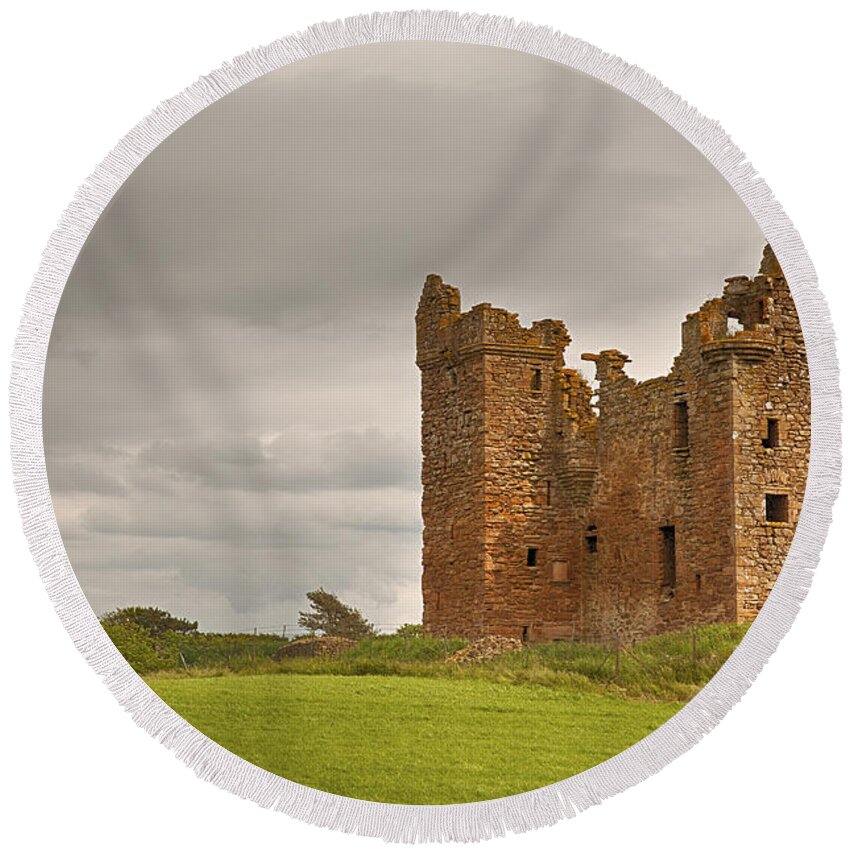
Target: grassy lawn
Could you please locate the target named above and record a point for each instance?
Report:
(411, 739)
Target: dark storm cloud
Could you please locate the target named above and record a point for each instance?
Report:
(231, 401)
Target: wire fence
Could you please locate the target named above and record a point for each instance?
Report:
(294, 630)
(651, 666)
(688, 642)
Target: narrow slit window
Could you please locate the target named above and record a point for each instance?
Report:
(536, 379)
(776, 507)
(681, 438)
(698, 578)
(771, 439)
(668, 556)
(548, 492)
(531, 557)
(591, 540)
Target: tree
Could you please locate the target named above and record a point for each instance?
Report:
(409, 630)
(334, 618)
(153, 620)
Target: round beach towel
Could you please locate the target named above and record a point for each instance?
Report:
(419, 422)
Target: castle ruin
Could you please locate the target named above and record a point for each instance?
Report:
(549, 514)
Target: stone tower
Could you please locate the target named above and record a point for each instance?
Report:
(494, 397)
(671, 502)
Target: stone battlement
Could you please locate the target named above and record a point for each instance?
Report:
(445, 333)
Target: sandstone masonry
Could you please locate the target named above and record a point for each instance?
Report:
(666, 503)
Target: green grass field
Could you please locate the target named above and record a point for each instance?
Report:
(391, 720)
(411, 739)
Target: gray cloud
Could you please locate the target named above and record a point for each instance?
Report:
(87, 472)
(296, 461)
(231, 402)
(255, 520)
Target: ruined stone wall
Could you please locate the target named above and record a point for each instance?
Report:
(665, 479)
(636, 495)
(546, 519)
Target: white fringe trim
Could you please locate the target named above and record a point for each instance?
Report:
(468, 821)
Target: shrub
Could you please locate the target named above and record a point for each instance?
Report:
(144, 652)
(155, 620)
(148, 653)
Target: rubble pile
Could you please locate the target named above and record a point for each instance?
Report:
(484, 649)
(315, 647)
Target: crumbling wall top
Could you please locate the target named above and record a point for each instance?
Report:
(610, 364)
(440, 325)
(769, 264)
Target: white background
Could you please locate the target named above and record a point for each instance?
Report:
(76, 78)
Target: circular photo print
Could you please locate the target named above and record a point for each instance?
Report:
(425, 422)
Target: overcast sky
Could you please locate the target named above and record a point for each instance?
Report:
(231, 402)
